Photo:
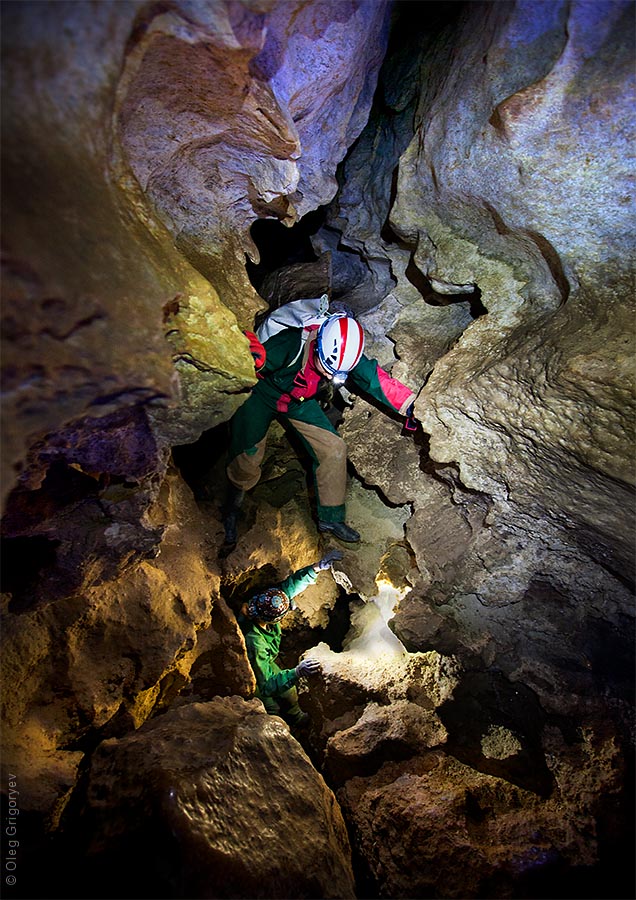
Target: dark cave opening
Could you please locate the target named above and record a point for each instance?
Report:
(30, 562)
(291, 267)
(485, 702)
(435, 298)
(280, 246)
(303, 637)
(201, 463)
(22, 561)
(63, 485)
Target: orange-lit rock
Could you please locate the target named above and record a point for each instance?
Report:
(219, 799)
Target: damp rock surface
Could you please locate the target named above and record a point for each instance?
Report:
(476, 216)
(222, 802)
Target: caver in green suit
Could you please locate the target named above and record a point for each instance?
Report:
(286, 389)
(260, 624)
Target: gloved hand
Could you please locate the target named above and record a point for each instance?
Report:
(411, 422)
(326, 561)
(308, 667)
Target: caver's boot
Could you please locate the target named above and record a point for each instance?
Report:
(298, 720)
(233, 501)
(340, 530)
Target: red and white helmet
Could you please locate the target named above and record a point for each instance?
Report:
(339, 344)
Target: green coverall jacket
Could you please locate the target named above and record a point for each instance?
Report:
(263, 644)
(286, 389)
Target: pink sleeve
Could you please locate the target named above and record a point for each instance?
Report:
(398, 395)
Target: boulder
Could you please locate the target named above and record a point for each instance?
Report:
(215, 800)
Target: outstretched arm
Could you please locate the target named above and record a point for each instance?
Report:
(371, 379)
(297, 582)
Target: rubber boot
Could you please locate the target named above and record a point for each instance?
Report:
(340, 530)
(233, 501)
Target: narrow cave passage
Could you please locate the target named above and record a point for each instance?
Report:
(472, 723)
(280, 246)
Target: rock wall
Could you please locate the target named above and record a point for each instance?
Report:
(101, 658)
(477, 219)
(90, 275)
(222, 111)
(542, 264)
(521, 484)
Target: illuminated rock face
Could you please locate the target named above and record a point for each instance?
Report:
(107, 657)
(92, 282)
(481, 231)
(215, 800)
(229, 112)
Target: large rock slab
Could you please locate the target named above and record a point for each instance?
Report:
(435, 827)
(458, 783)
(215, 800)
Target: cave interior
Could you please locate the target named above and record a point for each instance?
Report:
(458, 176)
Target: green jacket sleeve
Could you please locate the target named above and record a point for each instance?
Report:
(297, 582)
(370, 378)
(270, 679)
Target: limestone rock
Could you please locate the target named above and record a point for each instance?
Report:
(381, 528)
(80, 515)
(367, 262)
(297, 281)
(400, 730)
(45, 775)
(537, 284)
(222, 802)
(363, 691)
(434, 826)
(239, 120)
(203, 344)
(103, 659)
(88, 270)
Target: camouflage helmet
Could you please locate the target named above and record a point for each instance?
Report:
(270, 605)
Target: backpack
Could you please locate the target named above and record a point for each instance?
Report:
(307, 313)
(295, 314)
